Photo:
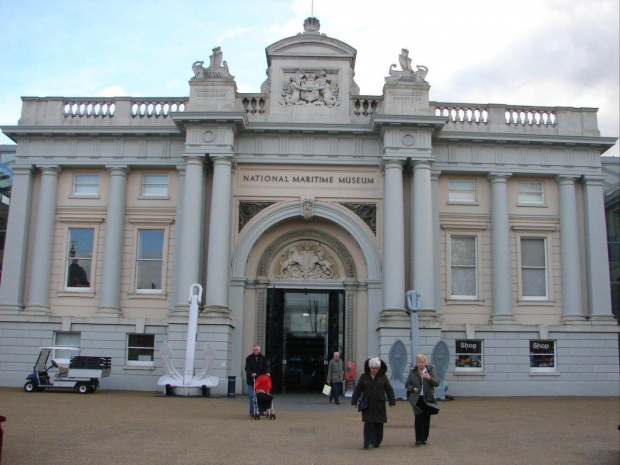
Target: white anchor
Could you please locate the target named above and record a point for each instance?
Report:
(189, 384)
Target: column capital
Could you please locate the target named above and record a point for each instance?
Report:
(116, 170)
(392, 163)
(421, 164)
(562, 179)
(593, 179)
(23, 169)
(435, 174)
(193, 158)
(499, 177)
(53, 170)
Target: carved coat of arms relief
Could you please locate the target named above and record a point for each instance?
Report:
(310, 88)
(306, 260)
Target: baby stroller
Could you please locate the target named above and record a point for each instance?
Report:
(263, 400)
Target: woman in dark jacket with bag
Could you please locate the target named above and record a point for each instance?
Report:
(373, 386)
(421, 384)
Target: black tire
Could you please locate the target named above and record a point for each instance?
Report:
(83, 388)
(30, 387)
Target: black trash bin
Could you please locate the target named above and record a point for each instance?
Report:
(232, 381)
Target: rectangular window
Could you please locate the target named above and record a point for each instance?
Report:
(155, 185)
(86, 184)
(542, 355)
(462, 190)
(150, 260)
(140, 349)
(463, 267)
(63, 356)
(80, 257)
(531, 193)
(468, 354)
(533, 268)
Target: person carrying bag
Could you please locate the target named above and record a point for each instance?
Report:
(421, 385)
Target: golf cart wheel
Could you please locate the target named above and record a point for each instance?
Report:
(30, 387)
(83, 388)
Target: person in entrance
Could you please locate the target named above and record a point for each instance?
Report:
(335, 376)
(255, 365)
(373, 386)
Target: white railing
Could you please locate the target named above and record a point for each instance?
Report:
(254, 104)
(156, 108)
(88, 108)
(476, 114)
(464, 114)
(525, 116)
(365, 106)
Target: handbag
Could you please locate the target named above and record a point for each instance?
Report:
(327, 389)
(362, 404)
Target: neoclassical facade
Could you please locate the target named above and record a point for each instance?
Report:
(307, 211)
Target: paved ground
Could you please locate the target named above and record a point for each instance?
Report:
(121, 427)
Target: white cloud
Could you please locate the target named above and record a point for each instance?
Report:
(113, 91)
(230, 33)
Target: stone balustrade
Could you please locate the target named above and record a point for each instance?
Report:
(88, 108)
(155, 107)
(156, 111)
(365, 106)
(516, 119)
(254, 104)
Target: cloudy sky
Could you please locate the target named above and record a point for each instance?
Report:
(530, 52)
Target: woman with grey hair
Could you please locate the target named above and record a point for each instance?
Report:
(373, 387)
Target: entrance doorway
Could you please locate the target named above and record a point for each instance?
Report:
(304, 329)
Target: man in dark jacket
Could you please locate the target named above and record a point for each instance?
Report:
(255, 365)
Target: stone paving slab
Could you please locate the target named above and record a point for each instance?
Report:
(127, 427)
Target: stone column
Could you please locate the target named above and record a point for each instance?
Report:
(218, 260)
(109, 297)
(190, 239)
(16, 242)
(393, 240)
(38, 295)
(436, 242)
(422, 237)
(572, 300)
(178, 227)
(597, 259)
(500, 249)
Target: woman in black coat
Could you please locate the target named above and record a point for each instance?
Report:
(421, 384)
(374, 386)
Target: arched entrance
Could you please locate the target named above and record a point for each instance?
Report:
(258, 282)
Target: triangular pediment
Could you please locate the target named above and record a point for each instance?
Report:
(311, 46)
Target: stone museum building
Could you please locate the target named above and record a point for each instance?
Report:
(307, 211)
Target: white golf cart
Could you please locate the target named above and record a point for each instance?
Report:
(81, 373)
